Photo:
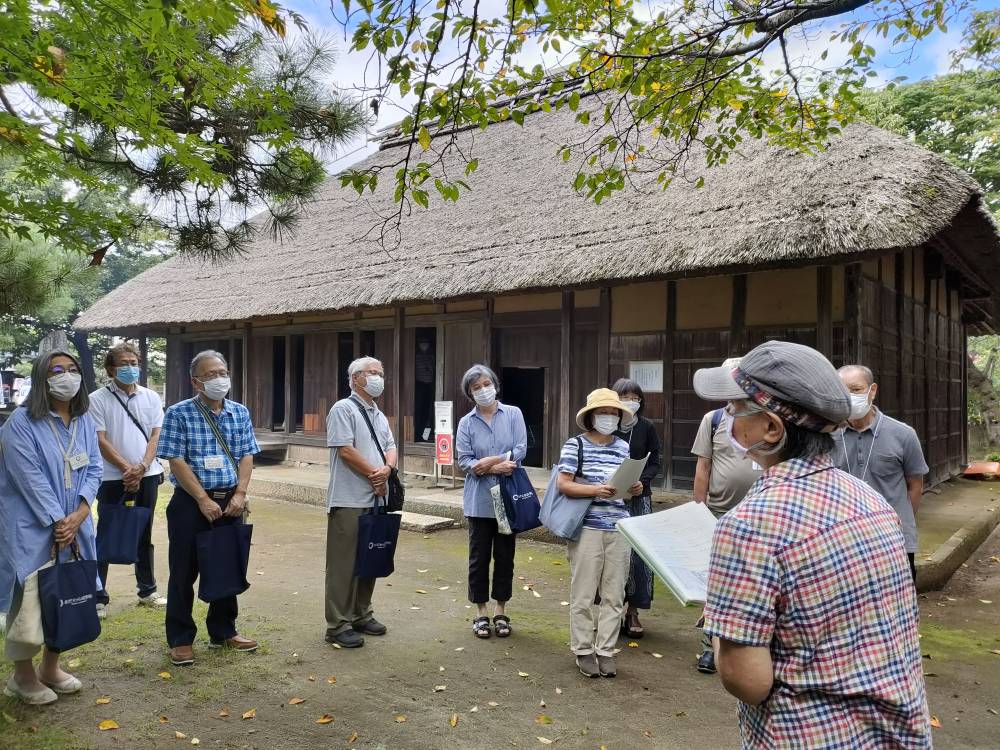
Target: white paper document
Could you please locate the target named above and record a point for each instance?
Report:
(676, 545)
(627, 474)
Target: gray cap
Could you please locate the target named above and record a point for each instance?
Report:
(792, 380)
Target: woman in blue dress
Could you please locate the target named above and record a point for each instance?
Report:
(50, 469)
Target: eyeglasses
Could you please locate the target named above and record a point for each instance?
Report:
(375, 373)
(59, 369)
(213, 374)
(748, 411)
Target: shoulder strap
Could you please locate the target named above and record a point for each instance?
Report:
(218, 434)
(579, 457)
(130, 414)
(716, 420)
(371, 428)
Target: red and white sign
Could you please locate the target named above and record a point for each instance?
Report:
(445, 454)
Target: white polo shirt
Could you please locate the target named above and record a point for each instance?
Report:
(110, 418)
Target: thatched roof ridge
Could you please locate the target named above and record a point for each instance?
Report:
(524, 228)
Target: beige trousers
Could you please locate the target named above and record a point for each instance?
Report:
(24, 637)
(348, 599)
(598, 563)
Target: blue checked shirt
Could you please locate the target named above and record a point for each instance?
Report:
(185, 434)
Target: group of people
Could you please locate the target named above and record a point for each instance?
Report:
(811, 613)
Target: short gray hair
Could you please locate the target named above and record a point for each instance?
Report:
(361, 363)
(207, 354)
(473, 374)
(866, 372)
(37, 403)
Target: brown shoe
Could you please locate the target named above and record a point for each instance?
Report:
(237, 643)
(182, 656)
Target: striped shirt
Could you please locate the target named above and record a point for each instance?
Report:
(599, 464)
(812, 566)
(185, 434)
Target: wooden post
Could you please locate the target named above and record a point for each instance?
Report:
(289, 399)
(604, 336)
(824, 311)
(143, 360)
(247, 339)
(488, 334)
(357, 334)
(668, 386)
(397, 381)
(853, 280)
(565, 367)
(902, 394)
(738, 317)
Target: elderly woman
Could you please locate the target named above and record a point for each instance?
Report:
(599, 558)
(640, 434)
(50, 468)
(491, 441)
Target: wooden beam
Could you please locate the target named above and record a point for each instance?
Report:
(488, 334)
(143, 360)
(668, 386)
(397, 381)
(738, 317)
(289, 376)
(902, 394)
(853, 278)
(565, 368)
(357, 334)
(824, 311)
(604, 336)
(247, 338)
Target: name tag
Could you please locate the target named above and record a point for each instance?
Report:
(78, 461)
(214, 462)
(756, 466)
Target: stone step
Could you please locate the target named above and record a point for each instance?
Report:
(424, 523)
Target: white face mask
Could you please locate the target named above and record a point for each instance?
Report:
(605, 423)
(374, 385)
(64, 386)
(216, 388)
(860, 405)
(761, 447)
(632, 406)
(485, 396)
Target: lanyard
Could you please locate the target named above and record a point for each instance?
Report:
(847, 456)
(66, 452)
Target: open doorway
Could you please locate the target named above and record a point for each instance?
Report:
(524, 387)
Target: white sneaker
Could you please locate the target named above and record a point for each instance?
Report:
(41, 697)
(153, 600)
(102, 611)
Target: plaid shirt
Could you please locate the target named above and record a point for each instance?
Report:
(185, 434)
(812, 565)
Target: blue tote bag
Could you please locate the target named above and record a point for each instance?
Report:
(562, 515)
(67, 591)
(223, 557)
(520, 501)
(378, 533)
(119, 528)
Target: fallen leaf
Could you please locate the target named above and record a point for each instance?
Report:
(336, 646)
(422, 570)
(353, 738)
(536, 594)
(563, 604)
(107, 724)
(633, 644)
(260, 572)
(681, 713)
(331, 680)
(541, 704)
(453, 720)
(311, 678)
(164, 675)
(195, 741)
(443, 588)
(994, 558)
(180, 736)
(440, 688)
(935, 722)
(399, 719)
(993, 711)
(647, 733)
(8, 718)
(224, 713)
(460, 648)
(133, 649)
(440, 669)
(558, 691)
(102, 701)
(494, 704)
(475, 710)
(543, 719)
(414, 608)
(164, 719)
(657, 656)
(420, 591)
(986, 601)
(250, 714)
(604, 747)
(522, 674)
(995, 651)
(557, 562)
(296, 701)
(544, 740)
(73, 663)
(324, 719)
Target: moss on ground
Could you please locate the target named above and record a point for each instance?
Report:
(941, 643)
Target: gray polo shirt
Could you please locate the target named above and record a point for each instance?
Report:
(883, 455)
(345, 426)
(732, 474)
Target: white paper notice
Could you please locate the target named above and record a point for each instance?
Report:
(628, 474)
(676, 545)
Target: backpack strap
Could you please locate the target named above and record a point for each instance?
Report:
(371, 428)
(131, 416)
(207, 415)
(716, 419)
(579, 457)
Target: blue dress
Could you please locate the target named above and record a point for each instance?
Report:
(33, 492)
(476, 438)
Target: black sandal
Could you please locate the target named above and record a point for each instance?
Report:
(501, 624)
(481, 627)
(632, 627)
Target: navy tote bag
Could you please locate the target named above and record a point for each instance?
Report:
(520, 501)
(67, 591)
(223, 557)
(378, 533)
(119, 528)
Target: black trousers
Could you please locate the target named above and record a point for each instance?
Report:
(913, 565)
(184, 521)
(112, 493)
(485, 541)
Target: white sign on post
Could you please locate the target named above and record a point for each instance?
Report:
(443, 418)
(648, 374)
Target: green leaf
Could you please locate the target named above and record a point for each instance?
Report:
(424, 138)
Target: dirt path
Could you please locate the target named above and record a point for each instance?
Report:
(655, 702)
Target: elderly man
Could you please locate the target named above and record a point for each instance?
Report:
(883, 452)
(810, 601)
(210, 478)
(359, 472)
(128, 419)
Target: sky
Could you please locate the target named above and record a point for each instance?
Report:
(929, 58)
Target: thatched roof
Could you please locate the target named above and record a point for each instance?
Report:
(523, 227)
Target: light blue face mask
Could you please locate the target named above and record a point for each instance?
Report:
(127, 374)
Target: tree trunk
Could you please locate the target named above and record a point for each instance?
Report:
(86, 360)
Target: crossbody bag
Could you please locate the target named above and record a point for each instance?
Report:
(225, 449)
(394, 487)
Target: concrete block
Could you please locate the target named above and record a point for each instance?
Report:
(424, 523)
(934, 573)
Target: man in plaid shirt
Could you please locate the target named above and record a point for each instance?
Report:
(810, 600)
